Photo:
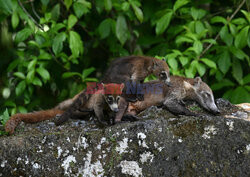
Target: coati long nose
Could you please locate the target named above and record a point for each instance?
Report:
(215, 110)
(168, 82)
(115, 109)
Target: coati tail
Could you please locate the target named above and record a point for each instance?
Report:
(32, 117)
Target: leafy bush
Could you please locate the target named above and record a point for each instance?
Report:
(50, 49)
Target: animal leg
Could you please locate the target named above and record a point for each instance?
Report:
(176, 108)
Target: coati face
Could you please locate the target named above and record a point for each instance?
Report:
(112, 93)
(112, 102)
(161, 70)
(204, 95)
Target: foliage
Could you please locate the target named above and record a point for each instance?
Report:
(50, 49)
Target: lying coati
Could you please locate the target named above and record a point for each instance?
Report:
(97, 102)
(123, 70)
(172, 97)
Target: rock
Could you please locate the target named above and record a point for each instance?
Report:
(158, 145)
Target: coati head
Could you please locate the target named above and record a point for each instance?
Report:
(161, 70)
(112, 93)
(200, 92)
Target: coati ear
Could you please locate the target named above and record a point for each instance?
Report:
(122, 86)
(187, 85)
(197, 81)
(164, 59)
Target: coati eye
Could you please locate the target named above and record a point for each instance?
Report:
(110, 99)
(162, 74)
(207, 94)
(118, 98)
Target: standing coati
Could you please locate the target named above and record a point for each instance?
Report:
(124, 70)
(105, 98)
(172, 97)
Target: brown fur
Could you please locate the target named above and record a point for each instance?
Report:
(181, 89)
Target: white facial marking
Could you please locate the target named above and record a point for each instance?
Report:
(113, 106)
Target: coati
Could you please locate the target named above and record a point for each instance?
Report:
(136, 68)
(172, 97)
(123, 70)
(97, 102)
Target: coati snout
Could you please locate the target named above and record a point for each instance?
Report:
(112, 102)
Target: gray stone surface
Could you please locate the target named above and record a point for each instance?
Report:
(158, 145)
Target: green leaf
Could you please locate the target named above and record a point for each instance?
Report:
(71, 21)
(138, 12)
(23, 35)
(211, 41)
(68, 3)
(226, 36)
(37, 81)
(104, 28)
(209, 63)
(197, 13)
(75, 44)
(6, 93)
(55, 12)
(30, 76)
(14, 20)
(183, 60)
(198, 47)
(248, 39)
(163, 22)
(239, 21)
(191, 71)
(70, 74)
(80, 9)
(122, 33)
(240, 95)
(87, 72)
(224, 62)
(43, 73)
(22, 109)
(125, 6)
(44, 55)
(238, 52)
(19, 75)
(200, 68)
(247, 15)
(32, 64)
(5, 117)
(45, 2)
(9, 104)
(179, 3)
(240, 39)
(232, 28)
(57, 45)
(107, 5)
(173, 63)
(246, 79)
(219, 19)
(237, 71)
(199, 27)
(6, 6)
(222, 84)
(20, 88)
